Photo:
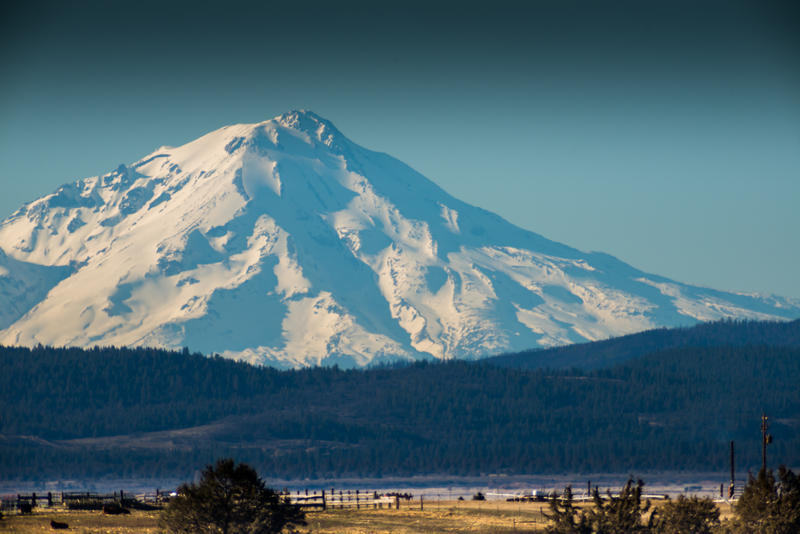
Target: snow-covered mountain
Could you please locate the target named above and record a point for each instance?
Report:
(285, 243)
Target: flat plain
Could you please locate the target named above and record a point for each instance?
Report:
(452, 517)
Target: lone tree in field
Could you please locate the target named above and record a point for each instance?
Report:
(229, 499)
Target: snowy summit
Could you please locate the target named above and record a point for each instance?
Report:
(285, 243)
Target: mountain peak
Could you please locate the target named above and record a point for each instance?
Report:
(310, 123)
(293, 117)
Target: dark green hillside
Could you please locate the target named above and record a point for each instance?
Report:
(69, 393)
(671, 409)
(607, 353)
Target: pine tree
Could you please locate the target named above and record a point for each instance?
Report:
(769, 506)
(620, 515)
(565, 517)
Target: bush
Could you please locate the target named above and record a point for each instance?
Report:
(684, 515)
(565, 517)
(229, 498)
(610, 515)
(620, 515)
(769, 506)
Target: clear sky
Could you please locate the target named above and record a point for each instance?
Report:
(666, 133)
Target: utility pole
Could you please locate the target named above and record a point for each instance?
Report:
(766, 439)
(732, 488)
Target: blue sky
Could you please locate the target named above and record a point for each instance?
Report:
(664, 133)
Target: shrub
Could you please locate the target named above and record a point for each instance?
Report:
(769, 506)
(565, 517)
(620, 515)
(686, 515)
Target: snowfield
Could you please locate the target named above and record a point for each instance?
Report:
(285, 243)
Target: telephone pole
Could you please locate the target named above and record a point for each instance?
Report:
(732, 487)
(766, 439)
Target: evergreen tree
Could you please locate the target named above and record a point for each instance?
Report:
(229, 499)
(620, 515)
(769, 506)
(565, 517)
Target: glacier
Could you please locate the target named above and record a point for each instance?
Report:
(285, 243)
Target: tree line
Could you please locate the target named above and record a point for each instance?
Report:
(614, 351)
(673, 409)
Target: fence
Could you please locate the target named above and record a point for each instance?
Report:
(357, 499)
(80, 500)
(29, 501)
(341, 499)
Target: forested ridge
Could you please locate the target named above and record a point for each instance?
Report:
(599, 354)
(669, 409)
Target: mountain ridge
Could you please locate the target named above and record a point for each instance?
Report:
(620, 350)
(284, 242)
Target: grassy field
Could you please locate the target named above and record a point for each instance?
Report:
(82, 521)
(447, 517)
(451, 517)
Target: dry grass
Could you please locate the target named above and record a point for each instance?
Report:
(449, 517)
(85, 522)
(446, 517)
(452, 517)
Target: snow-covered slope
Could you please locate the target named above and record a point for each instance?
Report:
(285, 243)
